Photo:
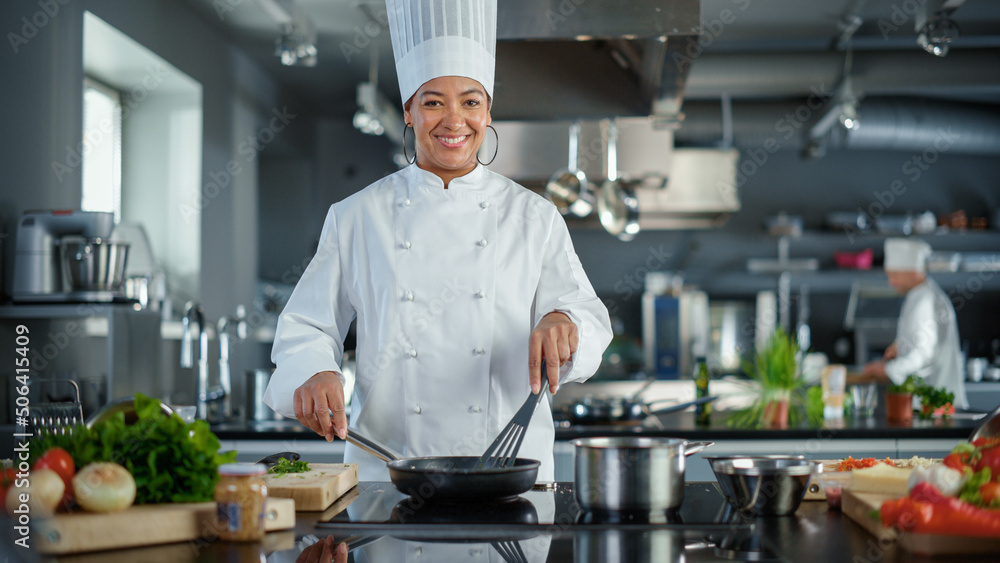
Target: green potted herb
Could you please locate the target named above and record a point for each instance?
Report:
(899, 400)
(934, 399)
(775, 369)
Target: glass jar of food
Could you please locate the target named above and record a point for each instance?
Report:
(240, 497)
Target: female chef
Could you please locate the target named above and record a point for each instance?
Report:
(460, 280)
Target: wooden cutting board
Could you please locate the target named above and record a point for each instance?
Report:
(316, 489)
(859, 506)
(144, 524)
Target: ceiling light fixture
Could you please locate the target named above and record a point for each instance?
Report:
(296, 46)
(376, 115)
(934, 26)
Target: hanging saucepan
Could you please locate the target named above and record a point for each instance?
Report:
(450, 478)
(568, 188)
(617, 206)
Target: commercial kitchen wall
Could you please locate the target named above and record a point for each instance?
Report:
(41, 101)
(715, 259)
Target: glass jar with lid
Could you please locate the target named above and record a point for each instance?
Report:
(241, 496)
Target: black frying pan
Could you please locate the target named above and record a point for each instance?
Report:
(622, 410)
(450, 478)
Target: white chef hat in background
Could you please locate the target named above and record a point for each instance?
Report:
(434, 38)
(906, 255)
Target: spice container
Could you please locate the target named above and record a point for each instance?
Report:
(240, 497)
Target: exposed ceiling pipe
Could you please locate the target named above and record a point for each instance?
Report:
(798, 75)
(912, 124)
(885, 124)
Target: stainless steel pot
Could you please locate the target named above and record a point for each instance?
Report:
(631, 473)
(94, 264)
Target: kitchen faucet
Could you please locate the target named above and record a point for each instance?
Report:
(225, 377)
(194, 311)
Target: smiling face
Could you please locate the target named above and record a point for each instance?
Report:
(449, 116)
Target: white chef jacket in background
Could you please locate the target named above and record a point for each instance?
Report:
(927, 342)
(446, 286)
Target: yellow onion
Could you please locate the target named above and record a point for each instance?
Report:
(43, 493)
(104, 487)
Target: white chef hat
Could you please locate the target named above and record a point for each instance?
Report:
(434, 38)
(906, 255)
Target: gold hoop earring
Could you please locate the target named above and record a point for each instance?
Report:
(495, 149)
(406, 156)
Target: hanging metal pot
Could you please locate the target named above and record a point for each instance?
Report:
(617, 206)
(568, 188)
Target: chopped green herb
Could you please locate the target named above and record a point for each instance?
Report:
(285, 466)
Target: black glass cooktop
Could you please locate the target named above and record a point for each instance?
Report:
(376, 505)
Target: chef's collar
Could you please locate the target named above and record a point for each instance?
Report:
(474, 180)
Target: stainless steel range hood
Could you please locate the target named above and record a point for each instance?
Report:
(676, 188)
(569, 59)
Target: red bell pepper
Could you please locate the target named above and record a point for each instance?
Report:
(928, 511)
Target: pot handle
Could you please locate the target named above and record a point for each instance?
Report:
(377, 449)
(692, 448)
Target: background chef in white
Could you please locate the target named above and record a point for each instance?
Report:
(460, 280)
(926, 341)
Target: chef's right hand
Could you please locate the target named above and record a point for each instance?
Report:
(315, 399)
(890, 353)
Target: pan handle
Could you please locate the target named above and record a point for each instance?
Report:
(692, 448)
(377, 449)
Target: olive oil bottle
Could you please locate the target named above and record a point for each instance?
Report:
(702, 411)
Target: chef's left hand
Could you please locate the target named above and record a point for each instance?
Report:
(554, 339)
(876, 371)
(325, 550)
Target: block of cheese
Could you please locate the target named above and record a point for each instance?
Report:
(881, 478)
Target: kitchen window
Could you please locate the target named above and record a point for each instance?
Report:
(102, 148)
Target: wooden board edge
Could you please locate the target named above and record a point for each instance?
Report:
(857, 507)
(280, 514)
(186, 525)
(197, 524)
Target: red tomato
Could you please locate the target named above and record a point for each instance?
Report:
(990, 493)
(59, 460)
(7, 477)
(956, 461)
(991, 459)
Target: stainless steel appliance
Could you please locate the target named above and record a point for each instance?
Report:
(675, 330)
(733, 327)
(39, 272)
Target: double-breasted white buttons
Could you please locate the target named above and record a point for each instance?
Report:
(484, 205)
(481, 294)
(407, 245)
(478, 351)
(406, 202)
(475, 409)
(416, 409)
(408, 296)
(413, 353)
(483, 243)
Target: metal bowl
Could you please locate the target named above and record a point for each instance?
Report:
(94, 264)
(764, 485)
(125, 405)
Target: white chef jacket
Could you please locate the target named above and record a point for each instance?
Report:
(446, 286)
(927, 341)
